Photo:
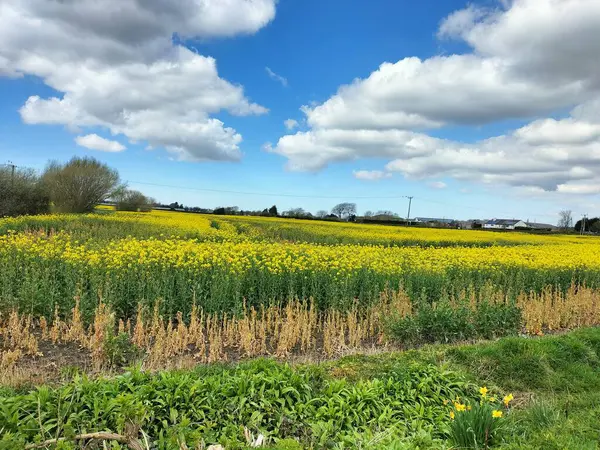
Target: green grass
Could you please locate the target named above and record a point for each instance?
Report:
(386, 401)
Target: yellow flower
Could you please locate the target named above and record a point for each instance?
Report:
(496, 414)
(452, 415)
(483, 391)
(508, 399)
(469, 408)
(460, 406)
(445, 402)
(492, 399)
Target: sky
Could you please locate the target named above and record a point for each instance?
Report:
(476, 109)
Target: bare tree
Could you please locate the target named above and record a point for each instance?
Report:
(80, 184)
(565, 221)
(321, 214)
(344, 210)
(369, 214)
(130, 200)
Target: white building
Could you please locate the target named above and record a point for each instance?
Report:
(504, 224)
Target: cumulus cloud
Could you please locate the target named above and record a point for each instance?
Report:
(371, 175)
(313, 150)
(528, 59)
(276, 77)
(117, 66)
(95, 142)
(290, 124)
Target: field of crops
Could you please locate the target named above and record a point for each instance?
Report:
(101, 292)
(187, 288)
(221, 264)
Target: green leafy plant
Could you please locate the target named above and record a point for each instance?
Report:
(444, 323)
(120, 351)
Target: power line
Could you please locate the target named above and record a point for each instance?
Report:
(334, 197)
(267, 194)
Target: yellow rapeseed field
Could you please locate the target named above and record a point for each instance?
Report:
(223, 262)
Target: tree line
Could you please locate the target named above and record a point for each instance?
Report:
(82, 183)
(76, 186)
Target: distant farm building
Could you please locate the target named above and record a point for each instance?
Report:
(541, 226)
(504, 224)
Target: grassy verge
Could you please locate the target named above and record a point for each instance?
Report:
(387, 401)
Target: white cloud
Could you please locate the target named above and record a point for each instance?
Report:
(437, 185)
(456, 24)
(371, 175)
(276, 77)
(529, 59)
(313, 150)
(95, 142)
(456, 89)
(116, 66)
(579, 189)
(290, 124)
(551, 131)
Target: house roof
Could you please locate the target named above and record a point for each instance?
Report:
(541, 225)
(507, 222)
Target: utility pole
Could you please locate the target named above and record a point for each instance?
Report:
(409, 205)
(12, 172)
(583, 223)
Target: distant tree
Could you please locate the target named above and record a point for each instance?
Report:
(386, 213)
(565, 221)
(80, 184)
(21, 193)
(589, 224)
(322, 214)
(227, 210)
(131, 200)
(344, 210)
(174, 205)
(273, 210)
(368, 214)
(297, 213)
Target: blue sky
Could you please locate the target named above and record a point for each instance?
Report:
(470, 150)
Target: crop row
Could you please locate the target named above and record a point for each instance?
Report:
(38, 272)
